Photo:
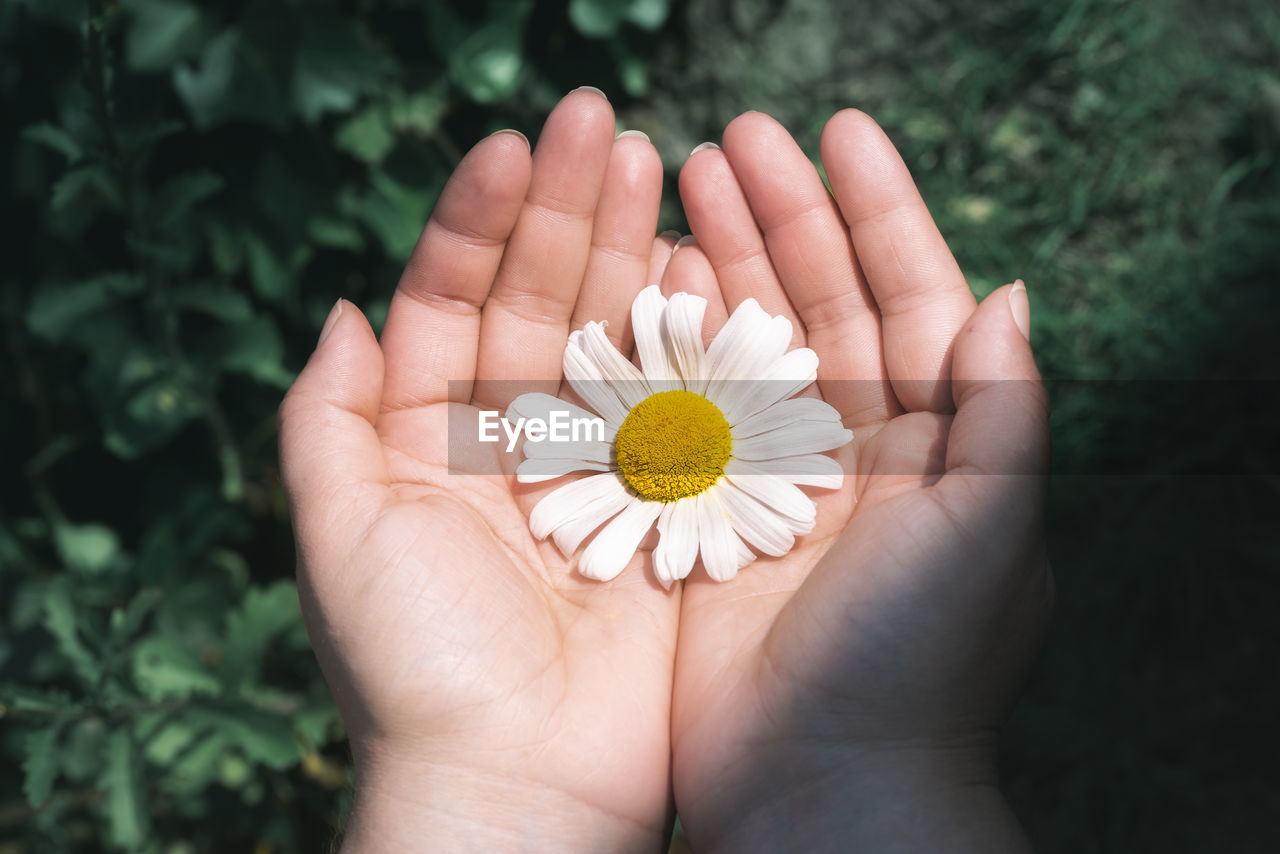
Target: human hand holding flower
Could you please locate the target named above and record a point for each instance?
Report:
(498, 698)
(495, 700)
(849, 693)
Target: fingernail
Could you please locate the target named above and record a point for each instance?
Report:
(672, 233)
(592, 89)
(513, 132)
(706, 146)
(1021, 308)
(330, 321)
(687, 240)
(634, 134)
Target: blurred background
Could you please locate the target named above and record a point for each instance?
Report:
(190, 187)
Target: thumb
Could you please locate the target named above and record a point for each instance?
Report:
(331, 459)
(1001, 425)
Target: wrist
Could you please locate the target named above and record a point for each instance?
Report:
(425, 806)
(885, 798)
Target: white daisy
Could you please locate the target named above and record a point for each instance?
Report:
(710, 445)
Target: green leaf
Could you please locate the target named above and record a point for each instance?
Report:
(144, 412)
(24, 698)
(632, 69)
(263, 615)
(56, 138)
(335, 233)
(316, 722)
(235, 81)
(597, 19)
(59, 309)
(167, 744)
(602, 18)
(420, 113)
(88, 547)
(164, 669)
(60, 620)
(81, 750)
(85, 185)
(179, 195)
(255, 348)
(125, 803)
(486, 61)
(40, 763)
(648, 14)
(196, 764)
(160, 33)
(263, 738)
(274, 274)
(366, 136)
(333, 67)
(394, 212)
(233, 771)
(215, 299)
(226, 247)
(126, 621)
(164, 402)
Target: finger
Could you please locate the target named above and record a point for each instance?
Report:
(331, 458)
(689, 271)
(434, 321)
(721, 218)
(813, 255)
(525, 322)
(1001, 426)
(621, 238)
(918, 287)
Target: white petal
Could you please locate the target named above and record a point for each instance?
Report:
(539, 405)
(757, 524)
(655, 357)
(785, 412)
(778, 381)
(743, 349)
(677, 541)
(808, 470)
(537, 471)
(682, 328)
(625, 378)
(568, 538)
(745, 555)
(793, 440)
(597, 497)
(614, 546)
(586, 378)
(716, 540)
(771, 491)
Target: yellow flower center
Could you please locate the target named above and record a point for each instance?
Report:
(672, 445)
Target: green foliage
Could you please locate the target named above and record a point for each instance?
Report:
(191, 188)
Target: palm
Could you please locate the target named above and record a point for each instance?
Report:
(485, 634)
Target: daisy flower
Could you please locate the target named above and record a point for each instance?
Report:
(709, 445)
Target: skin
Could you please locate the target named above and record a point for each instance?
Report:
(496, 700)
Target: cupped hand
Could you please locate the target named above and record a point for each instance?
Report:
(494, 699)
(851, 690)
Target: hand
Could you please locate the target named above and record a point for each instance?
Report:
(850, 692)
(494, 699)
